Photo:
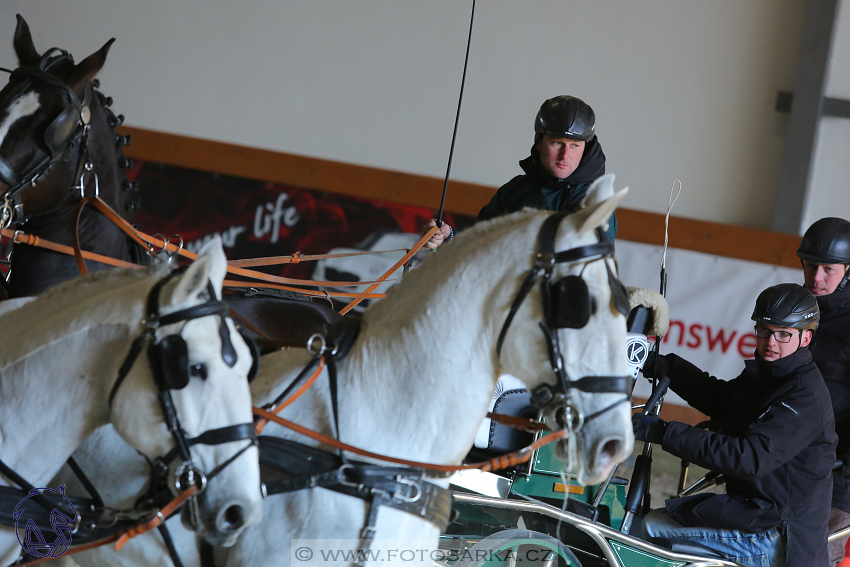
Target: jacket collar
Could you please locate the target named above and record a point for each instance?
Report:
(835, 299)
(785, 367)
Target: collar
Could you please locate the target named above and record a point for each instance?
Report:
(761, 369)
(837, 298)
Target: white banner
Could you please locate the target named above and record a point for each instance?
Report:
(711, 300)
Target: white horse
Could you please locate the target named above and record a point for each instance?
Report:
(417, 382)
(59, 381)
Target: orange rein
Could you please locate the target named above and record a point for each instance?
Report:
(145, 240)
(505, 461)
(123, 537)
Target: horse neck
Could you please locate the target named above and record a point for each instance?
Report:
(57, 371)
(33, 269)
(426, 353)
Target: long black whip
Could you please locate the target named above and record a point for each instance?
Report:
(457, 118)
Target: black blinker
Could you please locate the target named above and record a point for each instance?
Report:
(255, 354)
(572, 305)
(170, 361)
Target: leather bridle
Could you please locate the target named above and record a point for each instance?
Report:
(169, 364)
(69, 129)
(567, 304)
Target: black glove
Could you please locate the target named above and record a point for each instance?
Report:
(844, 468)
(649, 428)
(664, 364)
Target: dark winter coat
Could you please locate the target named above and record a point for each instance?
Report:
(775, 446)
(540, 190)
(831, 351)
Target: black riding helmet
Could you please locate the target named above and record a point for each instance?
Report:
(787, 305)
(827, 241)
(566, 117)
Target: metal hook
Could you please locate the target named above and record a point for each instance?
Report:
(316, 351)
(172, 253)
(6, 213)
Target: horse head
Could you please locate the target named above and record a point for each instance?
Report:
(54, 129)
(566, 337)
(196, 378)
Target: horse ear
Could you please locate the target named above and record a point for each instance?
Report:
(24, 48)
(211, 266)
(84, 73)
(214, 249)
(599, 203)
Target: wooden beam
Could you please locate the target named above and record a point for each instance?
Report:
(422, 191)
(312, 173)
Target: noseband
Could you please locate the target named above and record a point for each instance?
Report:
(567, 304)
(169, 363)
(68, 129)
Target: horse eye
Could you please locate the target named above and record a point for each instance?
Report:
(199, 371)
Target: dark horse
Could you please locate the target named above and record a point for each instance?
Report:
(57, 135)
(58, 141)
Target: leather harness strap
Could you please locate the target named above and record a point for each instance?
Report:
(505, 461)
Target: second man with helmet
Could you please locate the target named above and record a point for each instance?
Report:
(825, 254)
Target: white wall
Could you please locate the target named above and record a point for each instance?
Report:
(828, 194)
(682, 88)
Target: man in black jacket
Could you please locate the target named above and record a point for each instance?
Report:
(825, 254)
(565, 160)
(775, 444)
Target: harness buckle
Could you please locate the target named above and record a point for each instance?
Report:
(6, 213)
(544, 260)
(407, 482)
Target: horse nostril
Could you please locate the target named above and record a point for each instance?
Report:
(233, 518)
(610, 449)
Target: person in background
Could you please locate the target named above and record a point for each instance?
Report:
(565, 159)
(774, 442)
(825, 254)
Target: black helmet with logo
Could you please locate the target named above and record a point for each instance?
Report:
(826, 242)
(787, 305)
(566, 117)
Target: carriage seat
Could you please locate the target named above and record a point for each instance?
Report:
(686, 546)
(494, 439)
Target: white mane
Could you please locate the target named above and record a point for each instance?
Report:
(76, 305)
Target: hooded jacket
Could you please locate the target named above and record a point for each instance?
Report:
(537, 189)
(775, 446)
(831, 352)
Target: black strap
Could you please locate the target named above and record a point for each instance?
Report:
(330, 363)
(526, 286)
(603, 384)
(86, 482)
(230, 433)
(169, 544)
(129, 360)
(227, 434)
(295, 383)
